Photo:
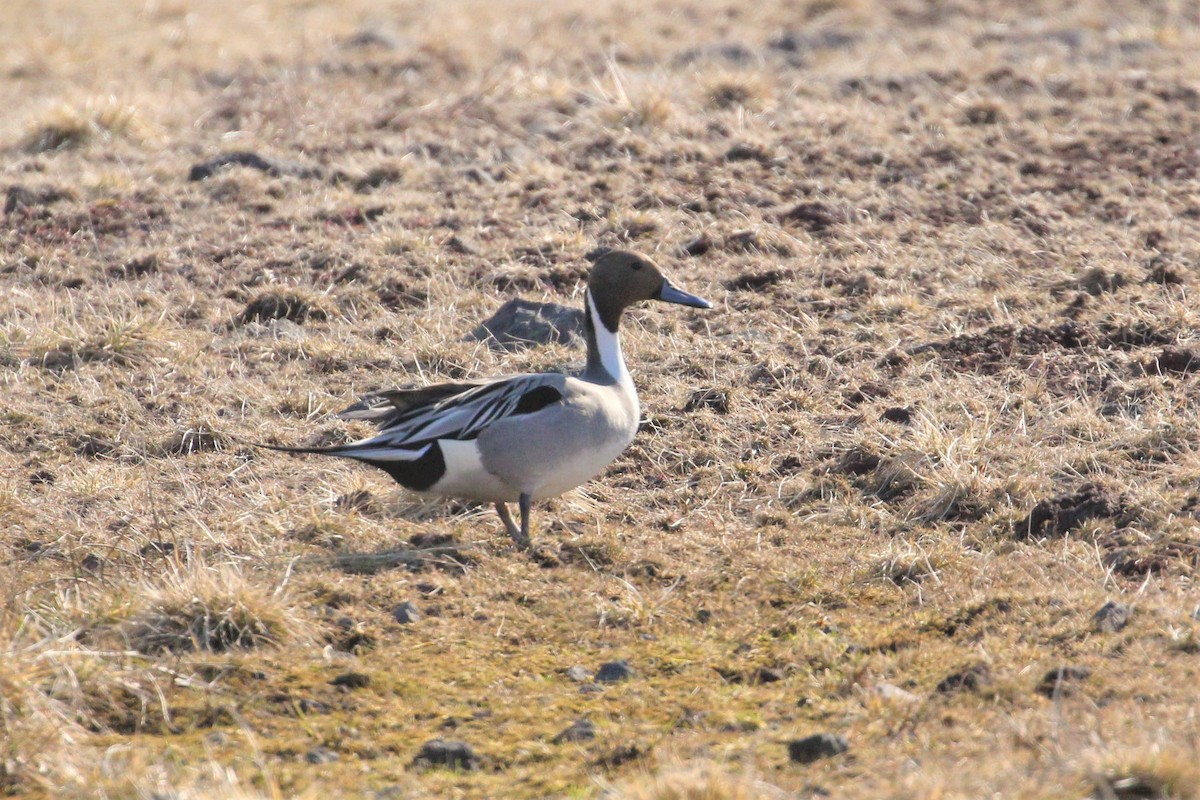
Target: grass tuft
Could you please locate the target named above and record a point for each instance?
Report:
(39, 735)
(69, 127)
(212, 609)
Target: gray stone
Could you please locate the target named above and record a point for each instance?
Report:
(579, 674)
(522, 323)
(446, 753)
(352, 680)
(406, 613)
(579, 731)
(1112, 617)
(894, 694)
(816, 747)
(321, 755)
(614, 672)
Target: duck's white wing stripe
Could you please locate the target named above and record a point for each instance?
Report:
(384, 452)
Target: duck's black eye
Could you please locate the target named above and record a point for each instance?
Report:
(637, 265)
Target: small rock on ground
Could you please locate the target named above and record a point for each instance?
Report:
(321, 755)
(1061, 680)
(579, 674)
(894, 694)
(816, 747)
(522, 323)
(446, 753)
(768, 675)
(406, 613)
(271, 166)
(614, 672)
(970, 679)
(352, 680)
(578, 731)
(1111, 617)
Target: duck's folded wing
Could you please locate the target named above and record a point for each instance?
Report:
(455, 410)
(383, 407)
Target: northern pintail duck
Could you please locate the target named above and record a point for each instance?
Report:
(521, 438)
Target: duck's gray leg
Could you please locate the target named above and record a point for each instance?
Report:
(525, 501)
(509, 524)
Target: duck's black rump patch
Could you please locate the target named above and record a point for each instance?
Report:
(419, 474)
(537, 399)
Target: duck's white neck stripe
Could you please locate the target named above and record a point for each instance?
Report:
(608, 344)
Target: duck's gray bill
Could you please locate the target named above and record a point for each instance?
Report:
(669, 294)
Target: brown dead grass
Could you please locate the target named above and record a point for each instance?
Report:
(953, 250)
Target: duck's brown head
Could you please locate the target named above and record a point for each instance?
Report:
(621, 278)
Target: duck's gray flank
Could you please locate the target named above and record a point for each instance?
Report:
(526, 437)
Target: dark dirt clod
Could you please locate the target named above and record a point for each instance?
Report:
(698, 246)
(1061, 680)
(767, 675)
(280, 304)
(622, 755)
(1165, 270)
(984, 113)
(815, 747)
(1140, 557)
(1178, 360)
(157, 549)
(271, 166)
(1063, 514)
(137, 267)
(192, 440)
(898, 414)
(361, 500)
(446, 753)
(18, 197)
(988, 351)
(614, 672)
(971, 679)
(581, 730)
(406, 613)
(855, 461)
(1098, 281)
(715, 399)
(351, 680)
(748, 152)
(812, 216)
(90, 446)
(867, 392)
(757, 281)
(523, 323)
(42, 477)
(1111, 617)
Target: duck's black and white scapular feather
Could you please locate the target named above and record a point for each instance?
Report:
(450, 410)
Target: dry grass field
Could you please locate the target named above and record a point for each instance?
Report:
(945, 410)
